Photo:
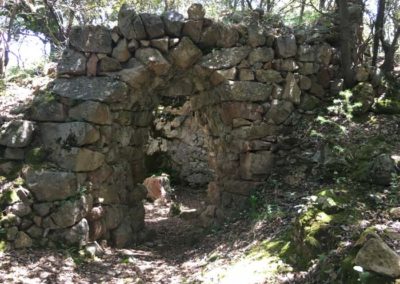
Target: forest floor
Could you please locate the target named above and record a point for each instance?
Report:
(179, 251)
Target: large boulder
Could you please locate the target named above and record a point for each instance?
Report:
(130, 24)
(377, 256)
(68, 134)
(16, 133)
(47, 185)
(102, 89)
(185, 54)
(91, 39)
(225, 58)
(72, 62)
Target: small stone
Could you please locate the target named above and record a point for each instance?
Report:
(22, 241)
(11, 233)
(121, 51)
(19, 209)
(246, 75)
(91, 68)
(196, 12)
(291, 91)
(377, 256)
(261, 54)
(154, 60)
(162, 44)
(395, 213)
(268, 76)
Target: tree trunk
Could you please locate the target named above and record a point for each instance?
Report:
(390, 51)
(303, 6)
(346, 41)
(322, 4)
(379, 23)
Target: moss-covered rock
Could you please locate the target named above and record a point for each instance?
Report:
(363, 98)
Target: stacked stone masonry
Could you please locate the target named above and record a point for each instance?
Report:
(218, 96)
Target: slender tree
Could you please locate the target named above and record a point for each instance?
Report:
(378, 34)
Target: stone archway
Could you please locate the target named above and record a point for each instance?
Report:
(92, 127)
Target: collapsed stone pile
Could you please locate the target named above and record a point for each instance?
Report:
(220, 97)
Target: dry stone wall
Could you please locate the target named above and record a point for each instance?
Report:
(216, 98)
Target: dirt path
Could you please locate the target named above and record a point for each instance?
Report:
(178, 251)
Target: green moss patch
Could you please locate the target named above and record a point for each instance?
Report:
(387, 106)
(36, 156)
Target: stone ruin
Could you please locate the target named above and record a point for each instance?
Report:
(217, 99)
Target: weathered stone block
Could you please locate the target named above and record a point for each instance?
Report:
(130, 24)
(225, 58)
(16, 133)
(261, 54)
(153, 25)
(68, 134)
(49, 185)
(185, 54)
(72, 62)
(173, 22)
(102, 89)
(121, 51)
(286, 46)
(94, 112)
(154, 60)
(256, 165)
(91, 39)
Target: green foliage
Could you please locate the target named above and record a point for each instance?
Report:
(36, 156)
(260, 207)
(175, 209)
(17, 74)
